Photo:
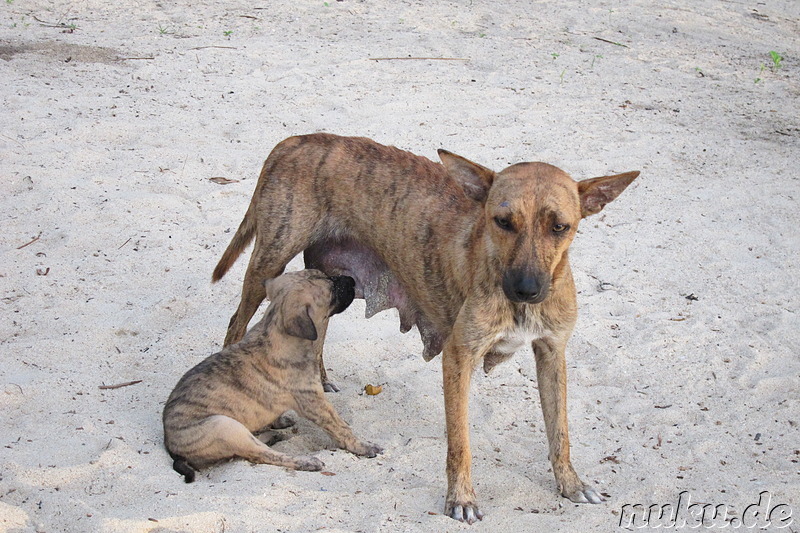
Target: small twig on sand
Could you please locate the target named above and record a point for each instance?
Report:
(124, 243)
(213, 46)
(418, 58)
(62, 17)
(120, 385)
(11, 139)
(30, 242)
(133, 58)
(50, 24)
(611, 42)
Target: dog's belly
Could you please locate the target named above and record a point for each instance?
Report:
(375, 283)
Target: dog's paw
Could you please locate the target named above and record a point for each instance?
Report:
(464, 512)
(283, 422)
(329, 386)
(271, 438)
(367, 449)
(584, 494)
(308, 463)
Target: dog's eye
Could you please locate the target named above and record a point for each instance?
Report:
(560, 228)
(503, 223)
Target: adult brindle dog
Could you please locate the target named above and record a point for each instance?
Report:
(477, 260)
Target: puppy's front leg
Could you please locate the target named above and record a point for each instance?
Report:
(457, 367)
(315, 407)
(551, 374)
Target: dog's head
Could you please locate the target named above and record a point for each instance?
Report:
(306, 299)
(532, 211)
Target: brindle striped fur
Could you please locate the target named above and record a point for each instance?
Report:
(477, 260)
(218, 405)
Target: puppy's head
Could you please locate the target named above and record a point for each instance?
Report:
(531, 213)
(342, 294)
(306, 299)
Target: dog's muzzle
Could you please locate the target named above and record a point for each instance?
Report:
(344, 290)
(525, 287)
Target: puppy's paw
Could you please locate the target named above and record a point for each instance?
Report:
(367, 449)
(283, 422)
(271, 438)
(308, 463)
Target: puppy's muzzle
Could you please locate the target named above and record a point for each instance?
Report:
(344, 290)
(524, 287)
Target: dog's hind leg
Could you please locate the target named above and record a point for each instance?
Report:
(327, 385)
(275, 246)
(225, 437)
(253, 294)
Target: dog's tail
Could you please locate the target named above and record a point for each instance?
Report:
(241, 239)
(182, 466)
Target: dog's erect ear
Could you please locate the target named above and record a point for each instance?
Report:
(595, 193)
(473, 178)
(297, 322)
(274, 286)
(270, 288)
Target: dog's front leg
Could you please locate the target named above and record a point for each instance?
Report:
(551, 374)
(457, 366)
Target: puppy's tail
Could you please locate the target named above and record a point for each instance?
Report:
(241, 239)
(182, 466)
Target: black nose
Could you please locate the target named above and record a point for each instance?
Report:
(344, 290)
(525, 287)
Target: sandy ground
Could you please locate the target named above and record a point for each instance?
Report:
(684, 368)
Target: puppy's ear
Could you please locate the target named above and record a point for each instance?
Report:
(473, 178)
(297, 322)
(273, 286)
(269, 287)
(595, 193)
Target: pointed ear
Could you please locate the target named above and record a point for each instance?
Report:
(473, 178)
(297, 322)
(595, 193)
(270, 286)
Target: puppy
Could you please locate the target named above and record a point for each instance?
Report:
(217, 405)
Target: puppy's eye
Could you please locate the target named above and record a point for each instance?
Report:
(504, 223)
(560, 228)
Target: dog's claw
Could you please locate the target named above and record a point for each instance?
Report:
(329, 386)
(586, 495)
(593, 496)
(468, 513)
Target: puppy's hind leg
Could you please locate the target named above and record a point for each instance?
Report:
(229, 438)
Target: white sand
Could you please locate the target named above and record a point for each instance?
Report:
(111, 132)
